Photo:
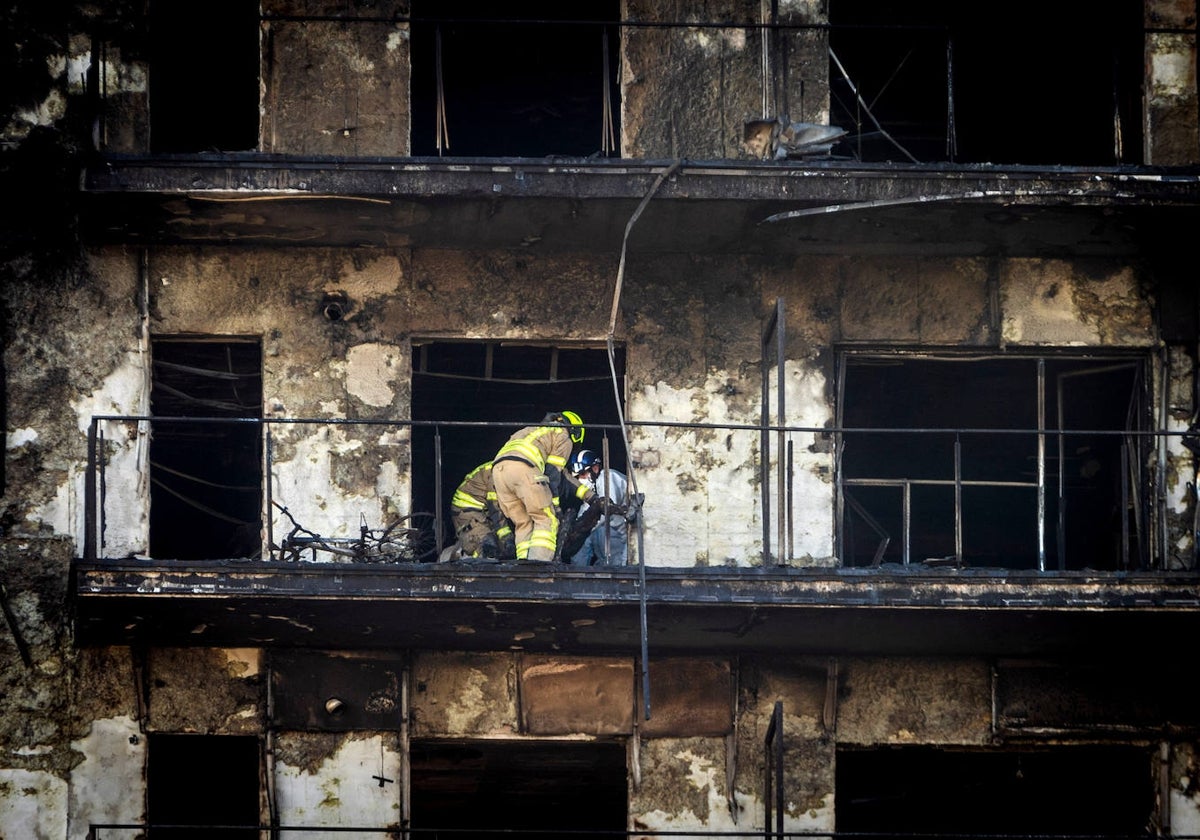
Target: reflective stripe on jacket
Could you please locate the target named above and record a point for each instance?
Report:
(477, 491)
(539, 446)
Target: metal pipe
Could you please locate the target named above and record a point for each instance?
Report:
(791, 529)
(437, 490)
(405, 752)
(907, 524)
(780, 412)
(1160, 480)
(1041, 464)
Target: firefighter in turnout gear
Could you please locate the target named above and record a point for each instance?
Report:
(479, 526)
(522, 472)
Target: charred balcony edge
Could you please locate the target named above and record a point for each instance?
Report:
(499, 607)
(702, 207)
(797, 181)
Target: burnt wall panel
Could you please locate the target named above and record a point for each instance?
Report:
(1087, 698)
(458, 693)
(564, 696)
(336, 87)
(213, 691)
(335, 692)
(897, 701)
(689, 697)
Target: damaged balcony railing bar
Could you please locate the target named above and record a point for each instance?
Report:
(108, 831)
(921, 460)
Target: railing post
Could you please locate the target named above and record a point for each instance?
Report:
(773, 773)
(89, 495)
(269, 482)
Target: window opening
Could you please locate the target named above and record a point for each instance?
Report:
(1070, 790)
(477, 787)
(1028, 83)
(204, 76)
(202, 781)
(509, 385)
(492, 80)
(205, 477)
(989, 491)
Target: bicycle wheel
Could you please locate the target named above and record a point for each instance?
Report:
(410, 539)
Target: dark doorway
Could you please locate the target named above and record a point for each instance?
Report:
(203, 781)
(1100, 790)
(1028, 82)
(546, 786)
(510, 385)
(523, 80)
(204, 76)
(898, 490)
(206, 474)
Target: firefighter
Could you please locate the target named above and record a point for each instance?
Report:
(522, 472)
(479, 526)
(599, 537)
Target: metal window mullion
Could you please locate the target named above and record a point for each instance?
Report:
(958, 529)
(1062, 471)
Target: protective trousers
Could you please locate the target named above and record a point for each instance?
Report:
(471, 528)
(523, 493)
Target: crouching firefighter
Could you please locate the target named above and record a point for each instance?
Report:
(523, 488)
(479, 526)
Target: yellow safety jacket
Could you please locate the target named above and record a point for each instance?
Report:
(476, 492)
(540, 447)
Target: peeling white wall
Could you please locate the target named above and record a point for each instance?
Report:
(702, 504)
(125, 449)
(342, 791)
(33, 805)
(304, 484)
(108, 786)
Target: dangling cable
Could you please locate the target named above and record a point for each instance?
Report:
(612, 367)
(443, 133)
(616, 305)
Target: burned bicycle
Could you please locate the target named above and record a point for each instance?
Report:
(410, 539)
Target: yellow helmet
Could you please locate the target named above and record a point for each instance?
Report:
(575, 423)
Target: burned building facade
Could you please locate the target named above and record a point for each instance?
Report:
(891, 316)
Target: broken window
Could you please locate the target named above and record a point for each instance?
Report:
(1076, 790)
(478, 788)
(493, 80)
(1028, 82)
(510, 385)
(205, 475)
(203, 76)
(962, 474)
(202, 781)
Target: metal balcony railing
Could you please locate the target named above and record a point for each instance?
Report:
(128, 831)
(955, 497)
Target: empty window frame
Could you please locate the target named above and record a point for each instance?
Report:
(1027, 83)
(475, 789)
(498, 80)
(205, 473)
(196, 783)
(204, 69)
(962, 475)
(503, 386)
(1062, 790)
